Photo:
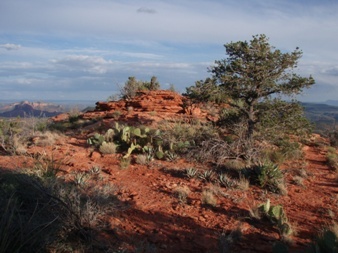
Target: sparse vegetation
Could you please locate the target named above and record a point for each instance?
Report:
(191, 172)
(108, 148)
(332, 158)
(182, 193)
(132, 86)
(208, 198)
(267, 175)
(196, 169)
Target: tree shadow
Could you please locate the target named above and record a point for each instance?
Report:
(43, 214)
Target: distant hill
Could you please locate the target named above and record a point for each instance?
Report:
(30, 109)
(331, 102)
(324, 116)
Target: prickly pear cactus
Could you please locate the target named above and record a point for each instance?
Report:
(265, 207)
(96, 140)
(276, 212)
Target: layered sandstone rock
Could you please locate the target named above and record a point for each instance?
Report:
(149, 107)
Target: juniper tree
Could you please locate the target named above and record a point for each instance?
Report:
(254, 72)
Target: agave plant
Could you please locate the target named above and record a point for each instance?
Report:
(191, 172)
(207, 175)
(226, 181)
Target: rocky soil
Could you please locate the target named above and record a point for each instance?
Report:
(149, 213)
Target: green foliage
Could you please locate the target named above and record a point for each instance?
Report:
(266, 175)
(108, 147)
(96, 140)
(285, 150)
(334, 138)
(129, 139)
(205, 91)
(277, 216)
(207, 175)
(279, 247)
(191, 172)
(132, 86)
(226, 181)
(332, 158)
(252, 73)
(328, 241)
(125, 162)
(180, 137)
(280, 118)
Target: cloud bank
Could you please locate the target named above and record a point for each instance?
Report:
(73, 49)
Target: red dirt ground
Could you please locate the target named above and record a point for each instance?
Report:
(154, 215)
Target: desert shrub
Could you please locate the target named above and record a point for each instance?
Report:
(108, 148)
(222, 152)
(9, 134)
(290, 150)
(327, 241)
(266, 175)
(180, 137)
(125, 162)
(207, 175)
(226, 181)
(41, 212)
(132, 86)
(29, 215)
(45, 138)
(243, 183)
(142, 159)
(332, 158)
(182, 193)
(45, 167)
(208, 198)
(333, 137)
(191, 172)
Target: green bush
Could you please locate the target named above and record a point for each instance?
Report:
(266, 175)
(332, 158)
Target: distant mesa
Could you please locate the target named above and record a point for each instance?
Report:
(30, 109)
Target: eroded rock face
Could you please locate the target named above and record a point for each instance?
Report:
(149, 107)
(148, 101)
(146, 107)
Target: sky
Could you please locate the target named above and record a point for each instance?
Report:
(86, 50)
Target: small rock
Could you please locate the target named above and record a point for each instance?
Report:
(201, 218)
(95, 155)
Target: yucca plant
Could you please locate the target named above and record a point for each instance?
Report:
(226, 181)
(191, 172)
(207, 175)
(266, 175)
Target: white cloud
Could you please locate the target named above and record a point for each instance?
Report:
(146, 10)
(9, 46)
(75, 44)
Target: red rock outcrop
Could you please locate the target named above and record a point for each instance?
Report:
(147, 101)
(150, 106)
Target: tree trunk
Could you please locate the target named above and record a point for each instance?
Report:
(251, 121)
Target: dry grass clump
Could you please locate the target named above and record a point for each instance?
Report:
(208, 198)
(142, 159)
(182, 193)
(298, 180)
(243, 183)
(44, 139)
(108, 148)
(332, 158)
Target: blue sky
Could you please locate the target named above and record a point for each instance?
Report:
(86, 50)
